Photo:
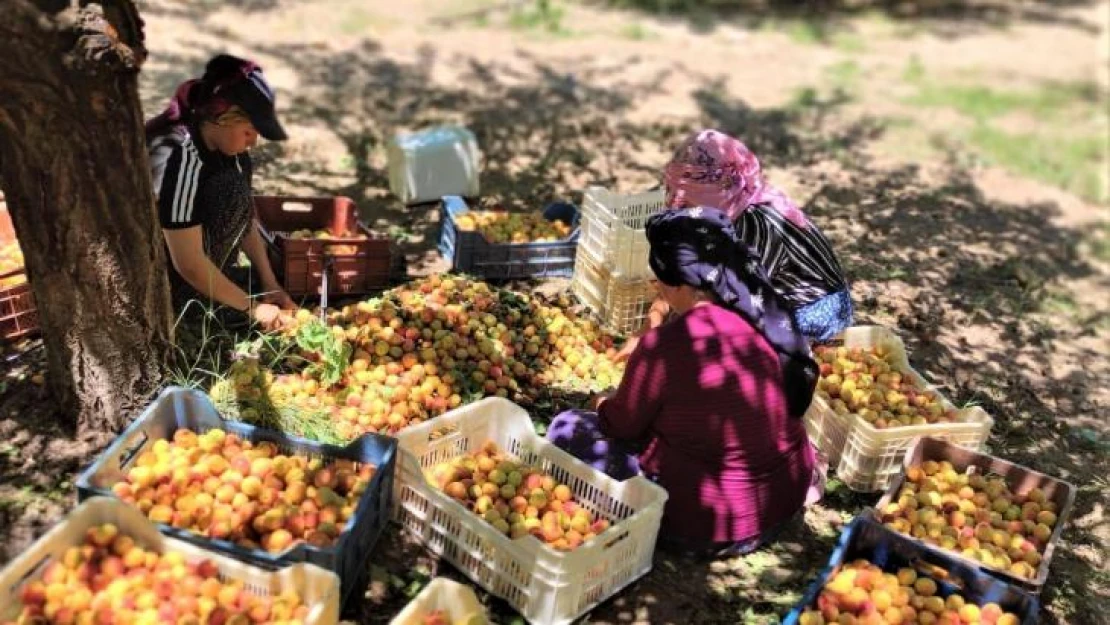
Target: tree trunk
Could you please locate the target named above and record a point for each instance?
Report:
(73, 166)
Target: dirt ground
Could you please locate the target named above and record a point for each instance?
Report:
(955, 156)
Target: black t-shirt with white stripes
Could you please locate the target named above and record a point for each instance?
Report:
(196, 186)
(799, 261)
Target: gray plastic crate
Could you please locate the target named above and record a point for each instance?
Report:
(471, 253)
(178, 407)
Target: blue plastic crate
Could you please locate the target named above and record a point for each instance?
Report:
(865, 539)
(472, 254)
(178, 407)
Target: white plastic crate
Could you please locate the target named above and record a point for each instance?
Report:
(548, 587)
(318, 589)
(868, 459)
(613, 229)
(427, 165)
(456, 600)
(621, 304)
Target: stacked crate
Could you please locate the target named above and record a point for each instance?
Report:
(611, 272)
(18, 315)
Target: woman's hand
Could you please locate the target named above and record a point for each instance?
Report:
(627, 349)
(269, 316)
(657, 316)
(278, 297)
(600, 398)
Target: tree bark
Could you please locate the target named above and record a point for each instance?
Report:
(73, 166)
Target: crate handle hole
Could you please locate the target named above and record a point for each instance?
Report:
(129, 453)
(444, 433)
(936, 572)
(31, 572)
(296, 207)
(615, 540)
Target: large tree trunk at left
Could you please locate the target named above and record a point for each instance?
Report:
(73, 166)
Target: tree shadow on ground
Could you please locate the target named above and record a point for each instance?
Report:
(826, 18)
(757, 588)
(961, 275)
(39, 456)
(964, 277)
(545, 133)
(966, 280)
(969, 282)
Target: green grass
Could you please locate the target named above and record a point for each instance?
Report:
(981, 102)
(914, 70)
(1061, 303)
(804, 98)
(844, 74)
(542, 15)
(637, 32)
(1065, 146)
(358, 22)
(1098, 242)
(816, 32)
(807, 32)
(1073, 163)
(849, 42)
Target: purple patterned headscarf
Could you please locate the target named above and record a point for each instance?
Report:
(699, 247)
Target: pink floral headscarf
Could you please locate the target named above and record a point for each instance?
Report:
(715, 170)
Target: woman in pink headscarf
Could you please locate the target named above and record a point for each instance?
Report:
(714, 170)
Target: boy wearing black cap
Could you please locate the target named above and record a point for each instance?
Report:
(202, 174)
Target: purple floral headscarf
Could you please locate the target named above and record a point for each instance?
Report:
(699, 247)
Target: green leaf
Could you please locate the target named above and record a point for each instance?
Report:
(414, 588)
(335, 353)
(313, 336)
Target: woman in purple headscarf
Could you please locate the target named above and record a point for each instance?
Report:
(715, 170)
(710, 403)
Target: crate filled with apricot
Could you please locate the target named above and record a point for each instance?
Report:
(221, 486)
(499, 226)
(336, 244)
(870, 405)
(866, 382)
(104, 563)
(982, 508)
(313, 239)
(443, 602)
(11, 264)
(876, 576)
(861, 592)
(442, 617)
(18, 313)
(516, 499)
(111, 579)
(522, 518)
(499, 245)
(256, 495)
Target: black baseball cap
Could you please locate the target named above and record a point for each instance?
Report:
(253, 94)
